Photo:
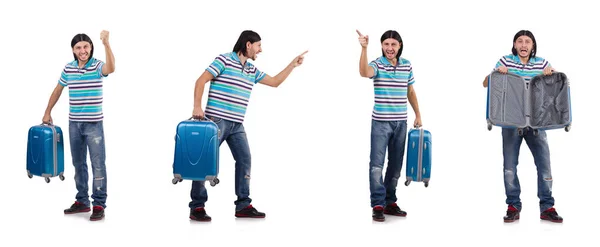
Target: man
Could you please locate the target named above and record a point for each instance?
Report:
(524, 62)
(84, 77)
(232, 78)
(393, 84)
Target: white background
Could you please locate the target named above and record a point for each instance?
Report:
(309, 138)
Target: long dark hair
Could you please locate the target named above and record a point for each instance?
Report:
(82, 37)
(245, 36)
(528, 34)
(394, 35)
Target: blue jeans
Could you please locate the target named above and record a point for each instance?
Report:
(235, 135)
(84, 135)
(511, 143)
(390, 135)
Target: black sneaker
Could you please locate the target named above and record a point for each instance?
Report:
(393, 209)
(551, 215)
(77, 207)
(378, 213)
(512, 214)
(249, 212)
(97, 214)
(199, 214)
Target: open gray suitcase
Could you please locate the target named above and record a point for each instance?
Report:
(543, 103)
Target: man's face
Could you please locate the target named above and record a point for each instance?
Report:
(523, 45)
(253, 49)
(390, 48)
(82, 50)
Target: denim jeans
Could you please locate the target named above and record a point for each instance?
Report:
(84, 136)
(511, 143)
(390, 135)
(235, 135)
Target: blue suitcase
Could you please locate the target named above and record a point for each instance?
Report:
(196, 151)
(45, 152)
(544, 103)
(418, 158)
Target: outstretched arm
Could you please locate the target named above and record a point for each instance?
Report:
(279, 78)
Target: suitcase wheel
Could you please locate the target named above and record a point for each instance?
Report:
(426, 184)
(29, 174)
(520, 132)
(567, 128)
(489, 125)
(175, 180)
(47, 179)
(62, 177)
(407, 182)
(214, 182)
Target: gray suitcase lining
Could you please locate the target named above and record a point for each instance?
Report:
(551, 105)
(541, 103)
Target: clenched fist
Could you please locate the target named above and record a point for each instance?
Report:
(104, 37)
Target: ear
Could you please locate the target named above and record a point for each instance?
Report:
(248, 45)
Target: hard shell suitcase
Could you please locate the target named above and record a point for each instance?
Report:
(45, 152)
(543, 103)
(196, 151)
(418, 158)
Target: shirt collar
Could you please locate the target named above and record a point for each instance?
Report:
(384, 61)
(88, 64)
(517, 59)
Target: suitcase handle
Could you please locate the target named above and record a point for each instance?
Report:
(204, 118)
(49, 124)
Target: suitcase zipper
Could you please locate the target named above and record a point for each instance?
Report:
(420, 153)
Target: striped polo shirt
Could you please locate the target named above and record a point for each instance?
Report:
(391, 87)
(230, 89)
(534, 67)
(85, 90)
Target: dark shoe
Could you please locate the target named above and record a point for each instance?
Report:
(551, 215)
(77, 207)
(199, 214)
(97, 214)
(249, 212)
(378, 213)
(393, 209)
(512, 214)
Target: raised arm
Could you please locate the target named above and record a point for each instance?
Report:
(109, 67)
(364, 68)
